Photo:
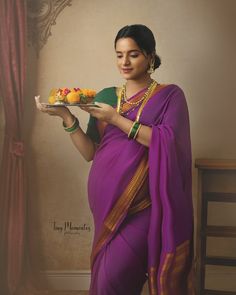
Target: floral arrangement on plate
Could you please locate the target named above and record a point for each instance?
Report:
(67, 96)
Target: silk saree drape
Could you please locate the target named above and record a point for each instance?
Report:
(118, 171)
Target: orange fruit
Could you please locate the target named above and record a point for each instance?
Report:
(73, 97)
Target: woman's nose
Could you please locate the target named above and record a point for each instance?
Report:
(126, 60)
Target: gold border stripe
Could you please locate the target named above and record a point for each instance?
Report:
(143, 204)
(152, 280)
(121, 206)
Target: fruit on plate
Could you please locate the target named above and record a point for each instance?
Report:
(71, 96)
(52, 99)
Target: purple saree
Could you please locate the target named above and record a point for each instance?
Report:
(142, 204)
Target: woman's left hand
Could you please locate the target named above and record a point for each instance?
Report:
(104, 112)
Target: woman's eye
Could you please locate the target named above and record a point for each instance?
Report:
(134, 55)
(119, 56)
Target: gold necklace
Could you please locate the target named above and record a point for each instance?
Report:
(124, 96)
(151, 90)
(121, 96)
(136, 102)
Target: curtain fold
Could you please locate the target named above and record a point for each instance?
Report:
(13, 40)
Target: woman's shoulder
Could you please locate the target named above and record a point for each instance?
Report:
(172, 87)
(173, 90)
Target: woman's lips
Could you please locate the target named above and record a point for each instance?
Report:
(126, 70)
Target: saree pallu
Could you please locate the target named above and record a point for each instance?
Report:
(155, 241)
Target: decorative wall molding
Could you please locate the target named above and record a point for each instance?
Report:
(66, 280)
(41, 16)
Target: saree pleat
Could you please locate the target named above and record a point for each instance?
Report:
(121, 207)
(143, 204)
(121, 266)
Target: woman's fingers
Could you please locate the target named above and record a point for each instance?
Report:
(88, 109)
(101, 111)
(100, 104)
(61, 111)
(42, 106)
(39, 105)
(37, 100)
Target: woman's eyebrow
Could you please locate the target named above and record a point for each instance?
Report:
(129, 51)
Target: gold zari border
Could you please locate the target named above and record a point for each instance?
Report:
(121, 206)
(143, 204)
(172, 269)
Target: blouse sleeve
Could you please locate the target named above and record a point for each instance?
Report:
(107, 95)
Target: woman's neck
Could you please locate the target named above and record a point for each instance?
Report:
(134, 86)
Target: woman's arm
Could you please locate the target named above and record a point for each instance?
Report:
(81, 141)
(144, 134)
(109, 114)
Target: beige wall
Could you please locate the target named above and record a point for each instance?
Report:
(196, 41)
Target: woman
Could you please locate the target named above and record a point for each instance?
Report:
(139, 185)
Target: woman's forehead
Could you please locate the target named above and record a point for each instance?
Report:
(127, 44)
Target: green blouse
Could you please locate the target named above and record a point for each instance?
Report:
(108, 96)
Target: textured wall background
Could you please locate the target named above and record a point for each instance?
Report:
(196, 41)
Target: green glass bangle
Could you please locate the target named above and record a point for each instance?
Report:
(134, 129)
(72, 128)
(137, 131)
(66, 127)
(131, 130)
(73, 131)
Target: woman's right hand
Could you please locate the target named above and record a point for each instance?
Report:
(60, 111)
(80, 139)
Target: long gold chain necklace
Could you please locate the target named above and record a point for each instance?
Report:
(122, 96)
(151, 90)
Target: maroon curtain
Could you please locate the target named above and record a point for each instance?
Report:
(12, 174)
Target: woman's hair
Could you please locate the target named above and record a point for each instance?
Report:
(144, 38)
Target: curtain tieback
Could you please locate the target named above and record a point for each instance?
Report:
(17, 148)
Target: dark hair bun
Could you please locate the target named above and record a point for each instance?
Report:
(157, 62)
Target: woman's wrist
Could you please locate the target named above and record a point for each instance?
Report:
(115, 119)
(68, 119)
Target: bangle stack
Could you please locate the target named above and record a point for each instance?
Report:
(73, 128)
(134, 130)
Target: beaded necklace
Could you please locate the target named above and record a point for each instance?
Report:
(143, 99)
(124, 96)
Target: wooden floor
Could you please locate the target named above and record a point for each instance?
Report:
(145, 292)
(67, 293)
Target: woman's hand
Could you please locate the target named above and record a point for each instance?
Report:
(103, 112)
(60, 111)
(80, 139)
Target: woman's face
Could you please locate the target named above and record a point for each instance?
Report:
(131, 61)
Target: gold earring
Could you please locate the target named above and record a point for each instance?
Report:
(151, 69)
